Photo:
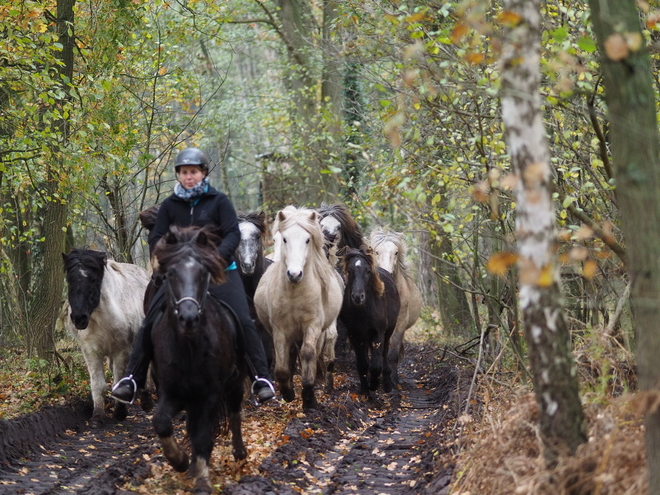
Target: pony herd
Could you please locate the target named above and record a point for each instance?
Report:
(324, 283)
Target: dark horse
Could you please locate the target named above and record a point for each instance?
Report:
(197, 363)
(370, 310)
(252, 264)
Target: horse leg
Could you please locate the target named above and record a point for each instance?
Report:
(98, 386)
(361, 361)
(329, 344)
(118, 365)
(283, 374)
(201, 423)
(234, 400)
(394, 353)
(387, 371)
(308, 357)
(162, 422)
(376, 364)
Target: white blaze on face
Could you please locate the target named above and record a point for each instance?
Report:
(330, 227)
(387, 254)
(248, 248)
(294, 251)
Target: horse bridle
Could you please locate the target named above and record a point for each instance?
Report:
(199, 304)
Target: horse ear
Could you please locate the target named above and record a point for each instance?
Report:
(313, 216)
(281, 216)
(201, 238)
(261, 216)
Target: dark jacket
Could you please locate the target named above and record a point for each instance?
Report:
(213, 208)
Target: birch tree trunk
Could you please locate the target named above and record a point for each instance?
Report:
(551, 362)
(635, 153)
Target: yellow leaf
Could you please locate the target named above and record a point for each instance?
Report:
(458, 32)
(162, 71)
(509, 18)
(546, 278)
(474, 58)
(589, 269)
(634, 41)
(616, 47)
(499, 263)
(42, 27)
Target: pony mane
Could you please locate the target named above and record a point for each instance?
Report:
(258, 219)
(148, 217)
(195, 242)
(88, 258)
(379, 236)
(366, 254)
(351, 234)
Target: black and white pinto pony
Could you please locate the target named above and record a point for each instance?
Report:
(105, 307)
(370, 311)
(198, 364)
(298, 300)
(390, 248)
(252, 264)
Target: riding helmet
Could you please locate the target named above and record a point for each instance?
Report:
(192, 156)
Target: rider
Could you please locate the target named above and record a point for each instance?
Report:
(195, 202)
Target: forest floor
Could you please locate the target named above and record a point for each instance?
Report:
(388, 444)
(444, 431)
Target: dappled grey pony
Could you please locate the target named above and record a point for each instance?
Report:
(105, 307)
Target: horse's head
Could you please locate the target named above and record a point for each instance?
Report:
(190, 261)
(250, 249)
(390, 249)
(361, 273)
(301, 238)
(331, 228)
(84, 276)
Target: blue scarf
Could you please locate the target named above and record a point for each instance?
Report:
(194, 193)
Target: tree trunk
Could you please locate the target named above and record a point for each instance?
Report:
(635, 145)
(552, 366)
(47, 299)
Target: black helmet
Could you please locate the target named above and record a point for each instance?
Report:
(192, 156)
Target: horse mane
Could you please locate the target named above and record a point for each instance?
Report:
(148, 217)
(199, 243)
(379, 236)
(88, 258)
(258, 219)
(351, 234)
(367, 254)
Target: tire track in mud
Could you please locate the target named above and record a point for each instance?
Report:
(84, 461)
(394, 443)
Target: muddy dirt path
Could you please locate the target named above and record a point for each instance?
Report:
(388, 444)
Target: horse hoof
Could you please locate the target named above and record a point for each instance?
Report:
(202, 487)
(240, 454)
(96, 422)
(146, 401)
(288, 395)
(121, 412)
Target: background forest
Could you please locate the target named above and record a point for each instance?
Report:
(392, 108)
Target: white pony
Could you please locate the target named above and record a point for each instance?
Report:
(298, 300)
(390, 249)
(105, 308)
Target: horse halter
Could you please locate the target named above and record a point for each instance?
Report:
(199, 304)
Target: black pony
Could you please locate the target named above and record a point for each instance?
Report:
(369, 310)
(197, 363)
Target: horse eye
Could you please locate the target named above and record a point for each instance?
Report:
(284, 240)
(307, 241)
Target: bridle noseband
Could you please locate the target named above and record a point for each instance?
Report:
(199, 304)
